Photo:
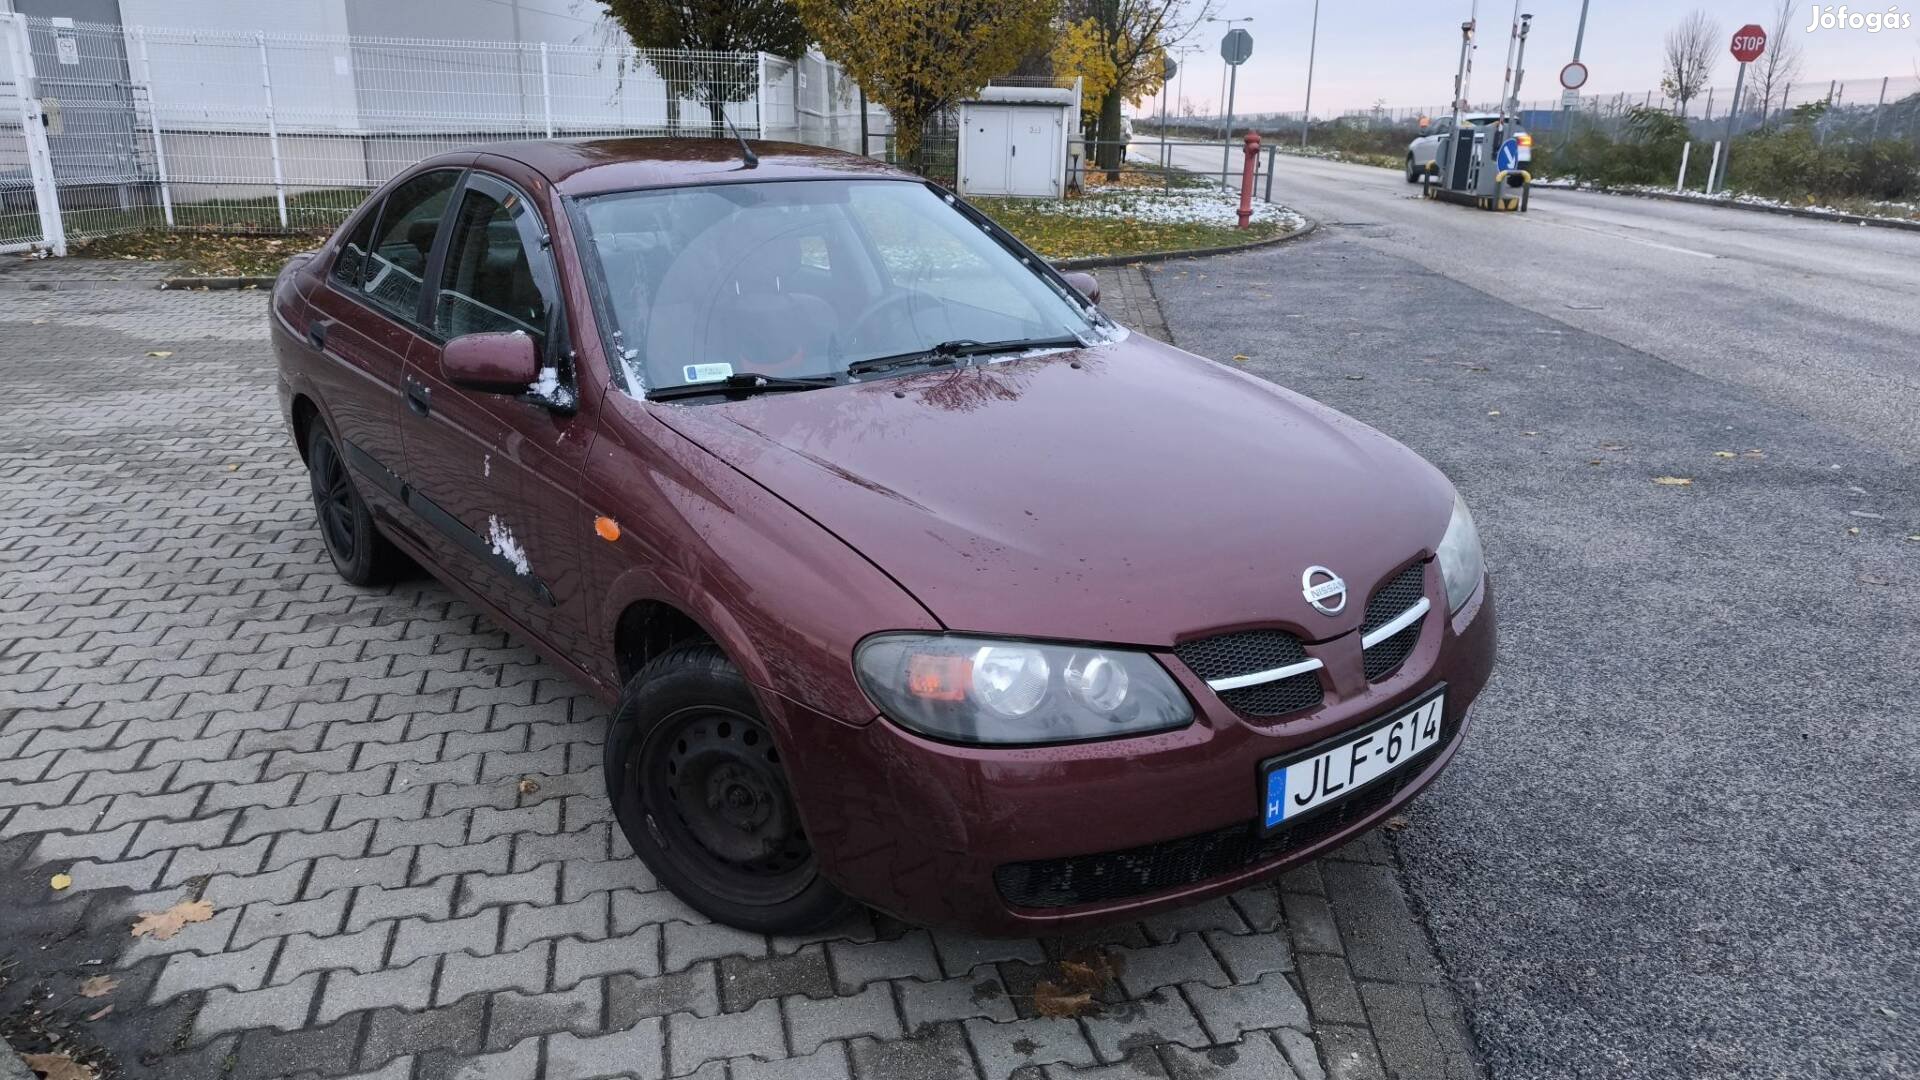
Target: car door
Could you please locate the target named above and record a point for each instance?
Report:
(365, 320)
(497, 474)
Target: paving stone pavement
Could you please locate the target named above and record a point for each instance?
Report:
(396, 811)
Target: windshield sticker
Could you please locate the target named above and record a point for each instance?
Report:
(706, 372)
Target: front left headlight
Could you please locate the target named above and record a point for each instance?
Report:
(1016, 693)
(1462, 564)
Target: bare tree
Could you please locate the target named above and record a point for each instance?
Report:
(1691, 49)
(1779, 66)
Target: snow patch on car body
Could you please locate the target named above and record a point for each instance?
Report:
(500, 539)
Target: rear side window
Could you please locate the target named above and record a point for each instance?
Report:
(398, 258)
(492, 281)
(352, 260)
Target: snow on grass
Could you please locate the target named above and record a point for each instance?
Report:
(500, 539)
(1188, 206)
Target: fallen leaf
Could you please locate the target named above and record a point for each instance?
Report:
(1051, 999)
(1915, 538)
(1873, 579)
(233, 468)
(1673, 481)
(1529, 433)
(1613, 446)
(1855, 531)
(98, 986)
(98, 1013)
(164, 924)
(528, 786)
(61, 881)
(161, 353)
(1396, 823)
(1493, 412)
(1723, 453)
(1597, 461)
(1240, 358)
(57, 1067)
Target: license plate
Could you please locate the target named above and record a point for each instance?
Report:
(1293, 788)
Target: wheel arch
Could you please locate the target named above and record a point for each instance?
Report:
(303, 413)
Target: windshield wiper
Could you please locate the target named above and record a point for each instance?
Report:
(742, 382)
(949, 351)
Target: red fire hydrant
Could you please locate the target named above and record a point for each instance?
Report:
(1246, 179)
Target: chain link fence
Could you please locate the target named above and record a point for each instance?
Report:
(127, 127)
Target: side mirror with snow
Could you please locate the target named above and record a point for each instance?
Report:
(500, 363)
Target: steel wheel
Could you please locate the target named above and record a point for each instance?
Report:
(717, 803)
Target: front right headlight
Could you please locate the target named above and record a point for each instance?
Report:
(987, 691)
(1462, 564)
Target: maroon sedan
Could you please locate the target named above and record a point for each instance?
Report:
(915, 579)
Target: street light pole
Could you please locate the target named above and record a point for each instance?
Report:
(1313, 44)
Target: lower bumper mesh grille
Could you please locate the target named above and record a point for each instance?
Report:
(1189, 860)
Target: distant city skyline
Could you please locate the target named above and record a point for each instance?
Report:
(1405, 51)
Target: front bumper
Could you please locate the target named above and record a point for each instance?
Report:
(920, 829)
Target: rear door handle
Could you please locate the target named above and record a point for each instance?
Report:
(317, 333)
(419, 398)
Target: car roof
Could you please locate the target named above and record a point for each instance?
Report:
(592, 166)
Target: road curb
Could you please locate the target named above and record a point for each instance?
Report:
(1094, 261)
(11, 1067)
(1735, 204)
(216, 283)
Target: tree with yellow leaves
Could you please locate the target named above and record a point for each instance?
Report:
(1121, 46)
(918, 57)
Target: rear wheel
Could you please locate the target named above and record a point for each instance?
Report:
(359, 552)
(1413, 171)
(701, 793)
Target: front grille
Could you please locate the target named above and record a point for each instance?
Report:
(1245, 652)
(1189, 860)
(1396, 596)
(1386, 603)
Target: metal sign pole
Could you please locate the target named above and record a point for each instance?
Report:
(1226, 162)
(1733, 114)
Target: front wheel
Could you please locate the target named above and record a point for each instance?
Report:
(1413, 171)
(701, 793)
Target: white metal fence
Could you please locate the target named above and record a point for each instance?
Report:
(109, 128)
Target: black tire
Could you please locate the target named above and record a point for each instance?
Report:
(359, 552)
(697, 785)
(1413, 171)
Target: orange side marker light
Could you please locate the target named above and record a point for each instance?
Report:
(608, 528)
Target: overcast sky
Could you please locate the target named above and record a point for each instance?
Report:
(1406, 50)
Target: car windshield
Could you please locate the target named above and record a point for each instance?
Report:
(805, 278)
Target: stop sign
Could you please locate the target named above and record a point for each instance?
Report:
(1748, 43)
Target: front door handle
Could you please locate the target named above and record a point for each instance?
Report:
(317, 333)
(419, 398)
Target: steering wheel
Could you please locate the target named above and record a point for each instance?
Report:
(859, 326)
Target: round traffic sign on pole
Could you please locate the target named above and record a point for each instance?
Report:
(1573, 76)
(1748, 43)
(1168, 69)
(1236, 46)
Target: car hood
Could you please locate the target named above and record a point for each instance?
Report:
(1127, 493)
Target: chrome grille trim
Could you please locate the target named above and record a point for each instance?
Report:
(1399, 622)
(1255, 678)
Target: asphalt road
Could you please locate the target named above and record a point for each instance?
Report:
(1683, 839)
(1816, 316)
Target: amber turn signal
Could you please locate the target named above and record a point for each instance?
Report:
(608, 528)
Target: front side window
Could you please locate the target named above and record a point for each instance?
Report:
(805, 278)
(408, 226)
(490, 283)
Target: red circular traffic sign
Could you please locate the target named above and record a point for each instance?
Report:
(1748, 43)
(1573, 76)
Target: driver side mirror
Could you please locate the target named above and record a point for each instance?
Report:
(1084, 283)
(499, 363)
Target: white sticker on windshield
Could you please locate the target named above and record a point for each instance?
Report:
(707, 372)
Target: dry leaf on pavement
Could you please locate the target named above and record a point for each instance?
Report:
(61, 881)
(1052, 999)
(1673, 481)
(1723, 453)
(161, 353)
(528, 786)
(57, 1067)
(164, 924)
(98, 986)
(100, 1012)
